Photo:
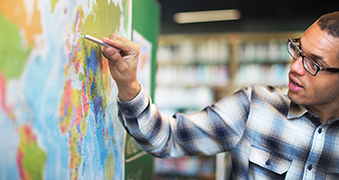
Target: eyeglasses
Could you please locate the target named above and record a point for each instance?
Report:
(293, 48)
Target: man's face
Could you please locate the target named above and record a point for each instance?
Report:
(322, 89)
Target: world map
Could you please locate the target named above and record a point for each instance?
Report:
(58, 113)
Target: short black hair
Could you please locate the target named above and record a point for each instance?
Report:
(330, 23)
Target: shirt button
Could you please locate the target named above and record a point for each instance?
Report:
(309, 167)
(126, 111)
(268, 162)
(320, 130)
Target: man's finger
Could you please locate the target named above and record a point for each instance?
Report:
(115, 57)
(114, 43)
(120, 42)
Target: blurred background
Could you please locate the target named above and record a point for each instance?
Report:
(256, 15)
(199, 63)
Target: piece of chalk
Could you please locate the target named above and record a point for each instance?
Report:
(98, 41)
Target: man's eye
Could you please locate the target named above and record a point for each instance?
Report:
(316, 62)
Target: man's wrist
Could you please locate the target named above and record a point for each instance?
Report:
(129, 92)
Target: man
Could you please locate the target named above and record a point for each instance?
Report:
(270, 133)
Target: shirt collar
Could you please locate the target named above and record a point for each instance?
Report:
(296, 111)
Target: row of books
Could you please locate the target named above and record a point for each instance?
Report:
(189, 167)
(270, 51)
(192, 75)
(170, 100)
(275, 75)
(190, 50)
(219, 50)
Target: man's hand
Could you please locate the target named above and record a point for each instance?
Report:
(123, 66)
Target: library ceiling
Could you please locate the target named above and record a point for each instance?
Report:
(263, 15)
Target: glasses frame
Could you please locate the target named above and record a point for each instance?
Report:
(319, 68)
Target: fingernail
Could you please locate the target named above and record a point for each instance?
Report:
(109, 51)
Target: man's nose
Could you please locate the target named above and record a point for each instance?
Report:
(297, 66)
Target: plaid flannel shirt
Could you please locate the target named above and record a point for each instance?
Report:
(268, 136)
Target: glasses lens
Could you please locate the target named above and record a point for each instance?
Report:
(293, 50)
(310, 65)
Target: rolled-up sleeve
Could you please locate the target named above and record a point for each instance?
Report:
(215, 129)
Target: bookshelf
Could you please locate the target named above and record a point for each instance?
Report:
(194, 71)
(195, 167)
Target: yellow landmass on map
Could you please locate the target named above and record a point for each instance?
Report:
(53, 3)
(104, 20)
(109, 168)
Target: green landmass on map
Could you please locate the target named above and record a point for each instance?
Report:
(32, 157)
(13, 54)
(34, 161)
